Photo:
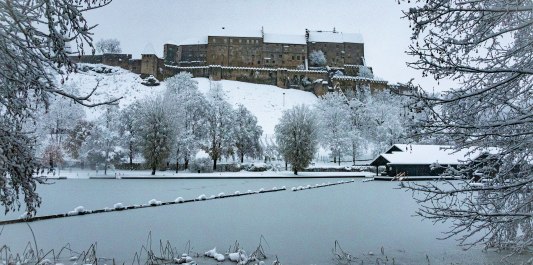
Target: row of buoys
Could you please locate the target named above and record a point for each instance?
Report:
(323, 185)
(80, 210)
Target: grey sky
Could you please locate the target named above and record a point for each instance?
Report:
(137, 23)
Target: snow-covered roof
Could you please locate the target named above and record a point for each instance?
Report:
(337, 37)
(284, 38)
(226, 32)
(194, 40)
(413, 154)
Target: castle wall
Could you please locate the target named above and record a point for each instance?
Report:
(266, 76)
(351, 84)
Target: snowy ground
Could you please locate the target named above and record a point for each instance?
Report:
(75, 173)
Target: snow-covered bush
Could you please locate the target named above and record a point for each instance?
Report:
(179, 200)
(257, 167)
(204, 165)
(317, 58)
(150, 81)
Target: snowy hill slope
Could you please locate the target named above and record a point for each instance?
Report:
(266, 102)
(117, 83)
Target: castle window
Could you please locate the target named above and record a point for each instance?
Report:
(298, 57)
(280, 56)
(247, 41)
(273, 61)
(293, 57)
(303, 57)
(258, 62)
(240, 41)
(231, 40)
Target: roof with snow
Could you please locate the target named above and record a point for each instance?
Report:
(194, 41)
(336, 37)
(412, 154)
(284, 38)
(227, 32)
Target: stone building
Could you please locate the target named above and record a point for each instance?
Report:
(234, 48)
(284, 51)
(259, 49)
(259, 57)
(339, 48)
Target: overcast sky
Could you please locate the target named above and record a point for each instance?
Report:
(138, 23)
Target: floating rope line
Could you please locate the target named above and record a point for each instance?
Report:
(118, 207)
(323, 185)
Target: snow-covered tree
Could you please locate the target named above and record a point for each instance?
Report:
(60, 118)
(127, 129)
(219, 140)
(333, 118)
(365, 72)
(317, 58)
(36, 39)
(297, 136)
(386, 121)
(189, 111)
(108, 46)
(270, 148)
(486, 46)
(247, 133)
(155, 133)
(77, 137)
(103, 143)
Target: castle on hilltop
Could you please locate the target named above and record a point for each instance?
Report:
(258, 57)
(259, 49)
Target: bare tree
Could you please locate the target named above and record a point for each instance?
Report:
(108, 46)
(36, 38)
(486, 46)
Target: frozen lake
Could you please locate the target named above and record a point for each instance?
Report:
(300, 227)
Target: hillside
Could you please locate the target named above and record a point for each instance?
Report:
(266, 102)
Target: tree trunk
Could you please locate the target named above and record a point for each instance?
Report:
(214, 164)
(242, 158)
(186, 164)
(153, 170)
(334, 159)
(131, 156)
(353, 153)
(286, 168)
(295, 172)
(339, 157)
(177, 160)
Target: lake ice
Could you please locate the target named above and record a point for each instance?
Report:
(299, 227)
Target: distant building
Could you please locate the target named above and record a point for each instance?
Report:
(422, 160)
(259, 49)
(258, 57)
